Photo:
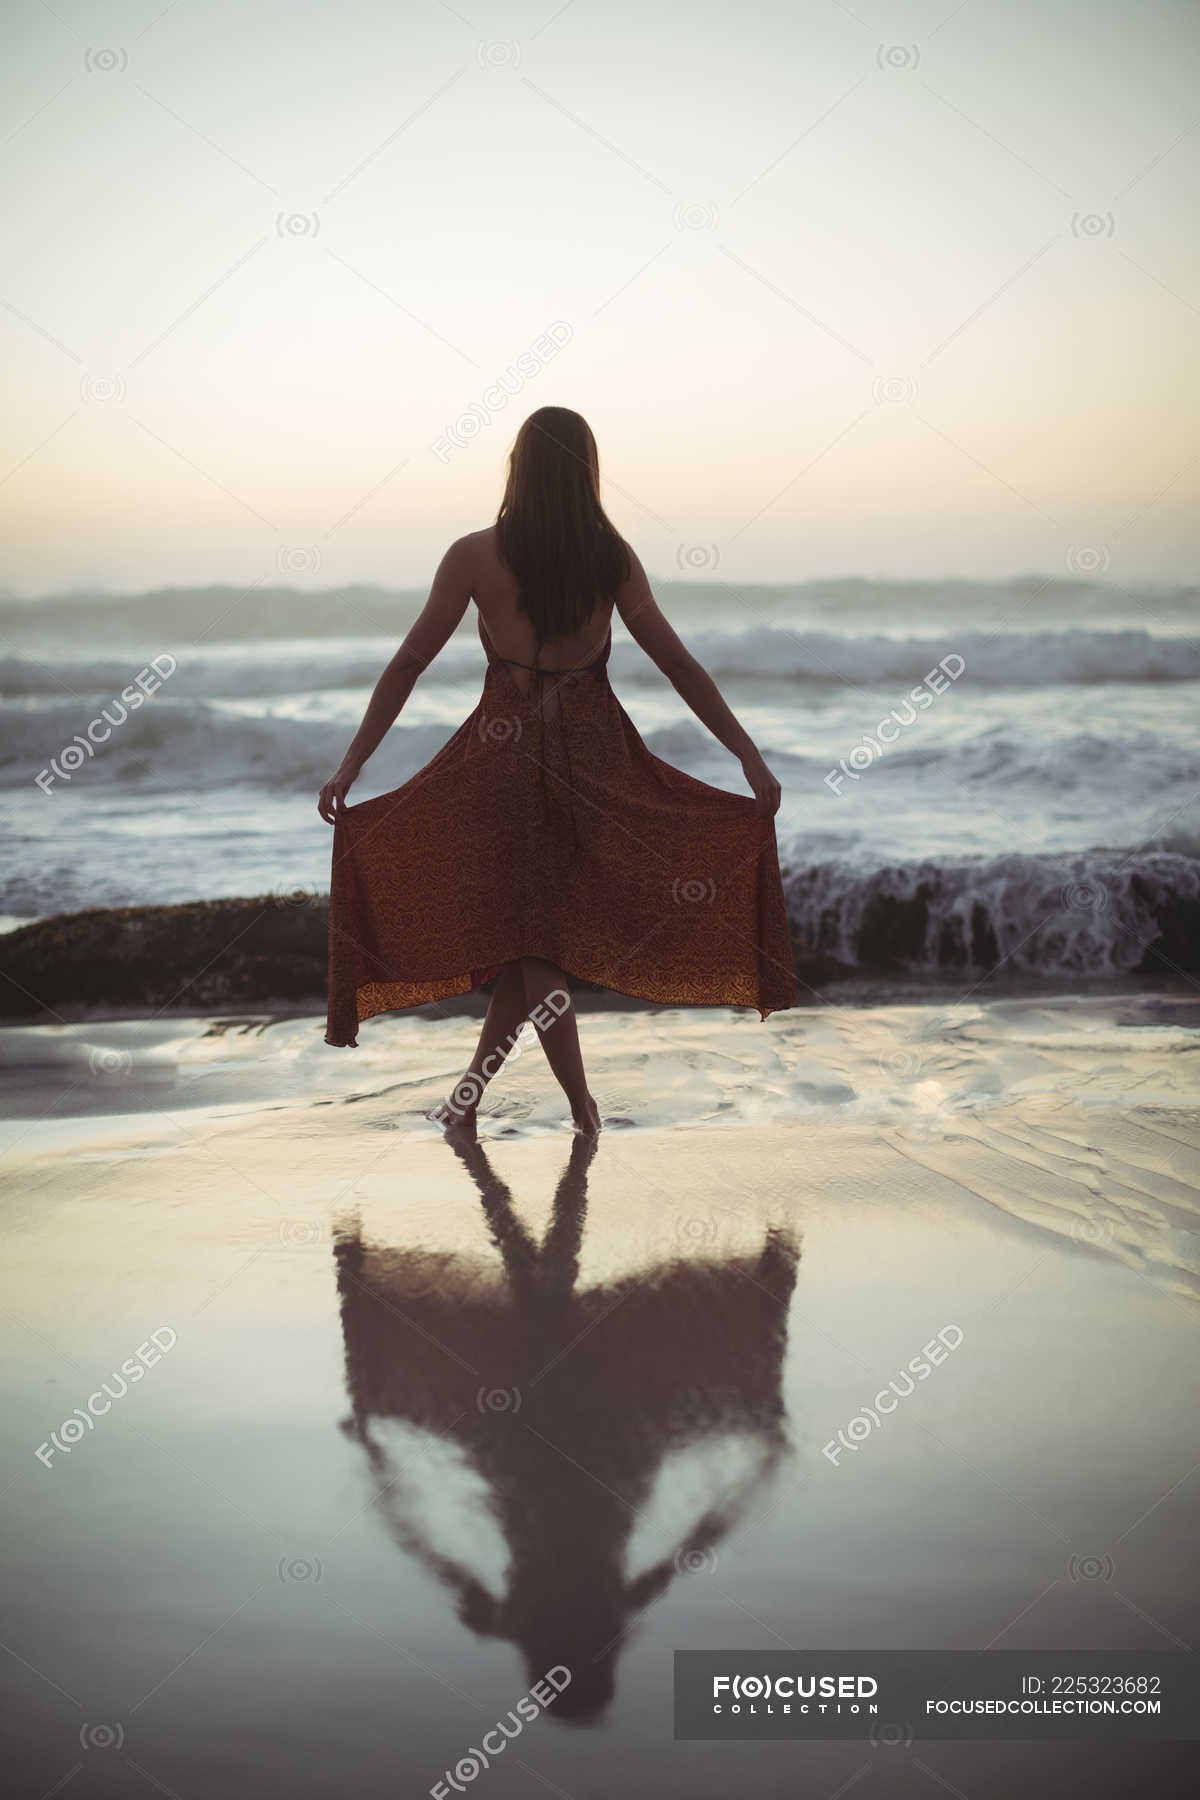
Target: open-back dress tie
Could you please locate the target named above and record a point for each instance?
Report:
(561, 837)
(564, 679)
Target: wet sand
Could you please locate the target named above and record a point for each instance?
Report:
(419, 1420)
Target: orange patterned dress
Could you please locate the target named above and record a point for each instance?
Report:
(545, 827)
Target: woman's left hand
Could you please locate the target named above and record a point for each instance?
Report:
(332, 798)
(767, 793)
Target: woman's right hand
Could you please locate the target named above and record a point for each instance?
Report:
(332, 798)
(766, 789)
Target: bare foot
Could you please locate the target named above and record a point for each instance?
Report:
(459, 1107)
(588, 1121)
(457, 1124)
(447, 1113)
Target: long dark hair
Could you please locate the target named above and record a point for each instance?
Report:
(551, 529)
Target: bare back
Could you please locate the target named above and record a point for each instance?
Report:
(494, 590)
(472, 569)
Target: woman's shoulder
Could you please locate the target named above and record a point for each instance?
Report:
(472, 558)
(473, 542)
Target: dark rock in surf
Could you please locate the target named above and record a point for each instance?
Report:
(207, 954)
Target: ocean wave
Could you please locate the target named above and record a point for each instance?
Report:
(992, 659)
(170, 742)
(1119, 764)
(175, 744)
(208, 615)
(227, 614)
(286, 670)
(1094, 914)
(893, 665)
(1096, 917)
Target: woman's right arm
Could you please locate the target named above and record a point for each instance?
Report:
(439, 619)
(648, 626)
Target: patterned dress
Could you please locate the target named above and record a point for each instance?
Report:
(545, 827)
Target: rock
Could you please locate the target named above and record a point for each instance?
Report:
(205, 953)
(202, 955)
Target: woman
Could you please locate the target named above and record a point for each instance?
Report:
(544, 840)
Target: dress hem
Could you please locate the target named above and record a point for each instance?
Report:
(764, 1012)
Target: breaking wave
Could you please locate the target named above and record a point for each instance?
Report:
(1099, 913)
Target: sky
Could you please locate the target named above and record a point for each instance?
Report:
(887, 290)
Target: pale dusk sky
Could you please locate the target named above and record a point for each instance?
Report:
(884, 290)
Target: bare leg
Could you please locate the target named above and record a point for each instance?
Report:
(506, 1013)
(560, 1037)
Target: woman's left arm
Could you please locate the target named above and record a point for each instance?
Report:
(439, 619)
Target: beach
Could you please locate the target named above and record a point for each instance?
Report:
(333, 1438)
(420, 1419)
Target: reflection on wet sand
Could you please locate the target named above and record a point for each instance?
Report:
(566, 1404)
